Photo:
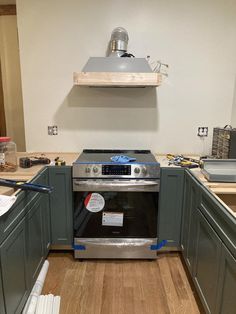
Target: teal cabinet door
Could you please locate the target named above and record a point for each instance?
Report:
(170, 206)
(207, 263)
(185, 215)
(2, 306)
(61, 206)
(34, 239)
(226, 297)
(13, 262)
(46, 224)
(188, 237)
(44, 180)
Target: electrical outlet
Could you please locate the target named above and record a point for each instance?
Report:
(202, 131)
(52, 130)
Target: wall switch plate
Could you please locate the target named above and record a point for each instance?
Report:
(202, 131)
(52, 130)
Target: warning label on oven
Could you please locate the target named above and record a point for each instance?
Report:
(94, 202)
(112, 219)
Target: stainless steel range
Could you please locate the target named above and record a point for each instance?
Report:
(115, 204)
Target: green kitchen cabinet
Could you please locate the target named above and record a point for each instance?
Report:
(35, 245)
(226, 297)
(43, 179)
(219, 218)
(170, 206)
(14, 270)
(24, 244)
(190, 205)
(208, 247)
(2, 306)
(61, 206)
(207, 262)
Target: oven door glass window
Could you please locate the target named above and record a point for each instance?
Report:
(115, 214)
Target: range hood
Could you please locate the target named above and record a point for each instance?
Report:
(119, 68)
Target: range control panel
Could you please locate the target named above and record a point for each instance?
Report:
(135, 171)
(123, 170)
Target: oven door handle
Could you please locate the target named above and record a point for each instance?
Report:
(85, 185)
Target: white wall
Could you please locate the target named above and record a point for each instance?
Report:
(233, 118)
(196, 38)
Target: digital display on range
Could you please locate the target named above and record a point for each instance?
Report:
(116, 170)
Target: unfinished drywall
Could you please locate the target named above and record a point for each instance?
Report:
(196, 39)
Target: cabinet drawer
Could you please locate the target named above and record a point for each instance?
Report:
(222, 222)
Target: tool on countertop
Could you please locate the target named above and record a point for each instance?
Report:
(26, 186)
(59, 161)
(26, 162)
(182, 161)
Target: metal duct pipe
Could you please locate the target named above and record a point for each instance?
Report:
(118, 42)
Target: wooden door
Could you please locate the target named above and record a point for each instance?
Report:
(4, 10)
(2, 111)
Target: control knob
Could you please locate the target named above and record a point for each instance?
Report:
(87, 170)
(95, 169)
(136, 170)
(144, 170)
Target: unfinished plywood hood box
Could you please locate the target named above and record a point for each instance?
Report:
(117, 72)
(119, 69)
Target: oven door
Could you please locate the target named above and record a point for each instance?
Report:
(115, 218)
(110, 211)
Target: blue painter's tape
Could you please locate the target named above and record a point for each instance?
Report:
(79, 247)
(158, 246)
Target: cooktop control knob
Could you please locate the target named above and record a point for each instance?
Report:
(87, 170)
(136, 170)
(95, 169)
(144, 171)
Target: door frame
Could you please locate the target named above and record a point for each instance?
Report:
(4, 10)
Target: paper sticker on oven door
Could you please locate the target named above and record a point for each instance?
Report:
(94, 202)
(112, 219)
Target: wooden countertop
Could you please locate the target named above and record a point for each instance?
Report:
(223, 191)
(27, 174)
(218, 189)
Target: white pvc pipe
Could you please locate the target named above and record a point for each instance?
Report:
(40, 305)
(48, 304)
(56, 305)
(36, 291)
(45, 304)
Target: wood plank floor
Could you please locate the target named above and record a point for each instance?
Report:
(120, 286)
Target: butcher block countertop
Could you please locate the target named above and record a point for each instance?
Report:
(27, 174)
(224, 192)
